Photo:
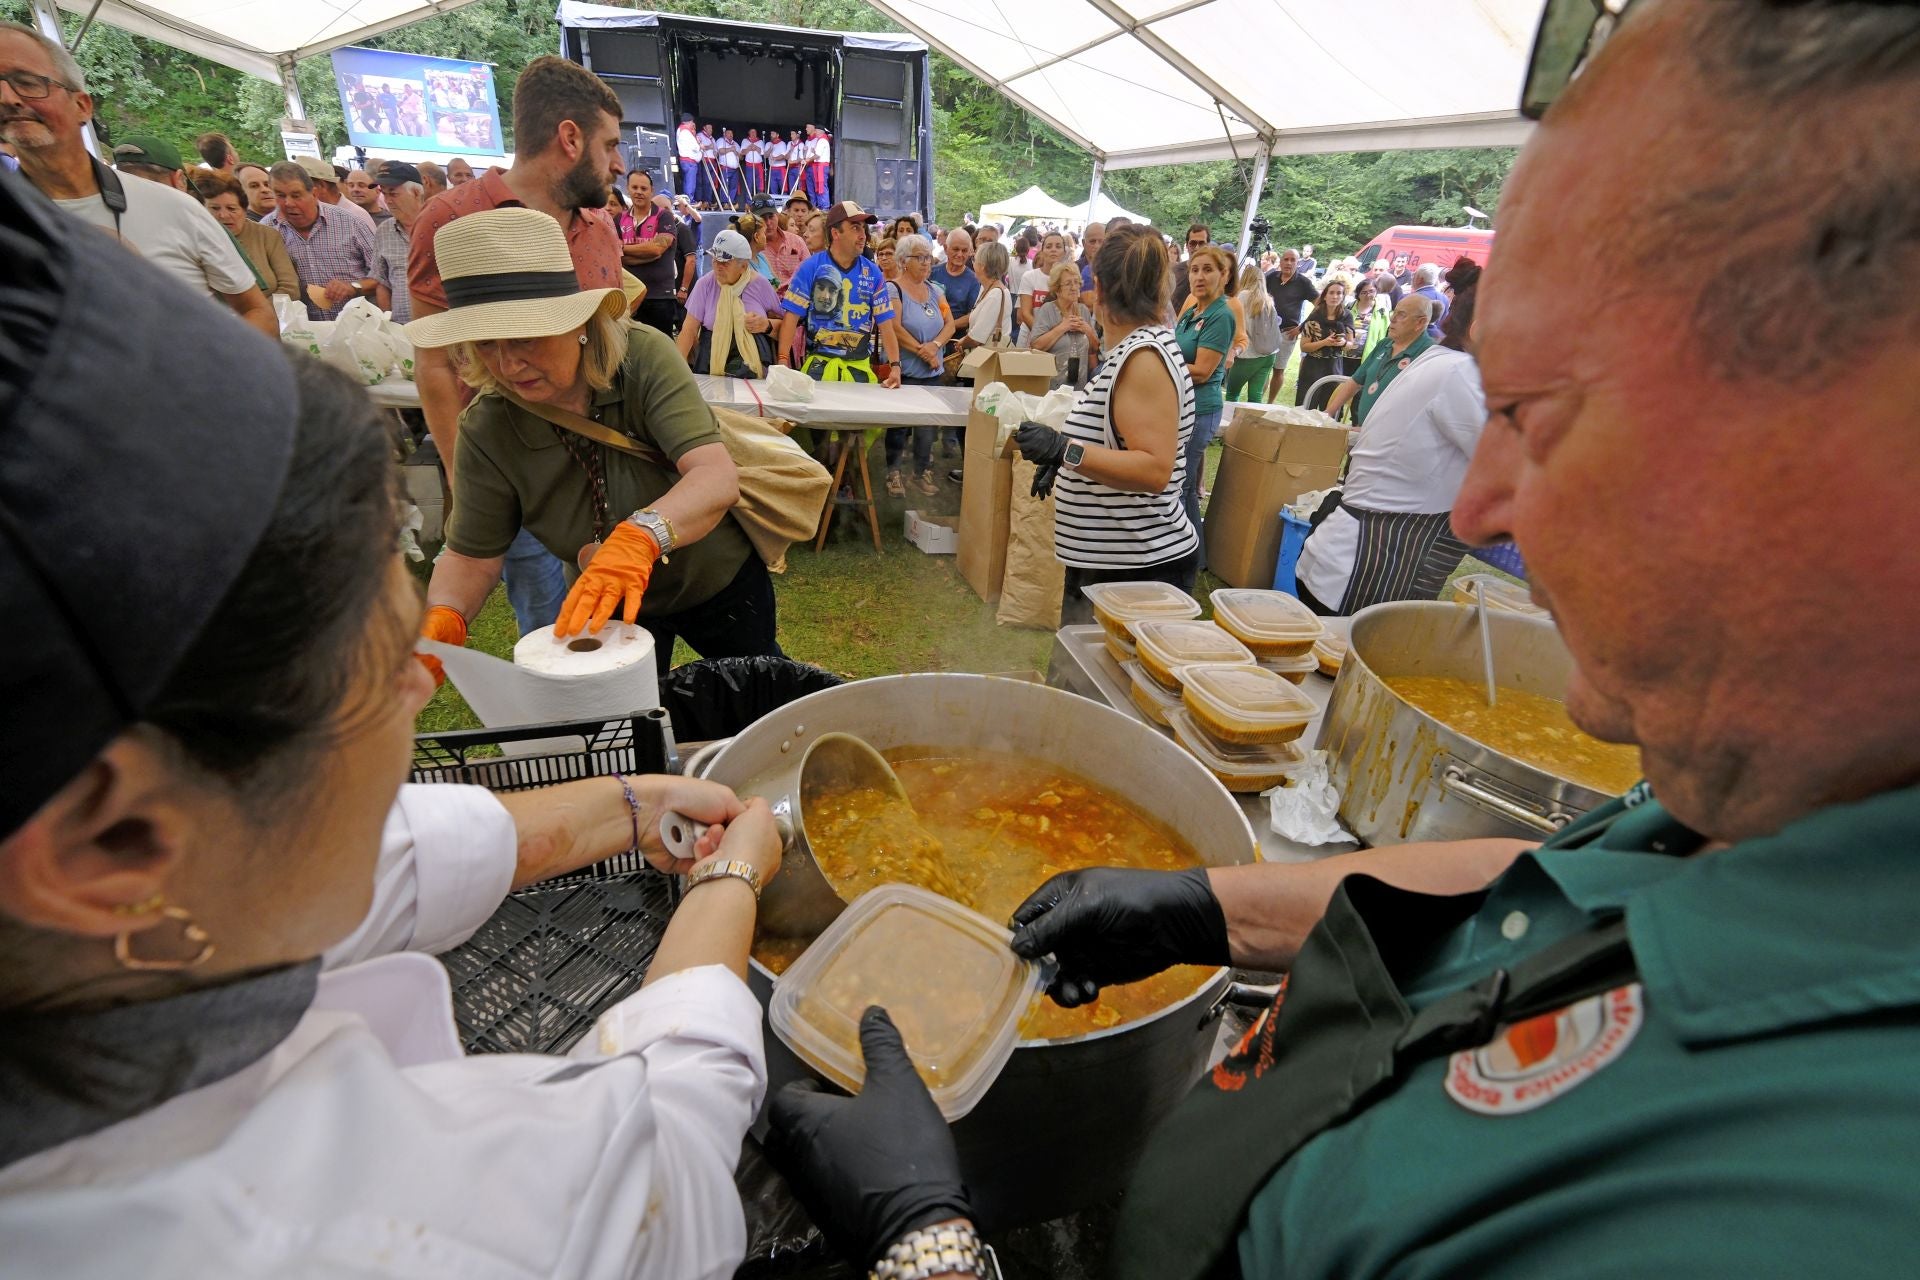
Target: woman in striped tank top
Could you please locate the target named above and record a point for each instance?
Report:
(1116, 469)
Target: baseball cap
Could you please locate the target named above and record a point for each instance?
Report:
(190, 495)
(144, 148)
(317, 169)
(394, 173)
(731, 246)
(848, 211)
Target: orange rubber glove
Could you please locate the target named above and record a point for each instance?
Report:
(615, 579)
(442, 623)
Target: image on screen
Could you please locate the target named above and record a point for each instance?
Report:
(409, 101)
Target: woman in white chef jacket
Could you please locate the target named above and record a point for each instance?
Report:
(223, 1049)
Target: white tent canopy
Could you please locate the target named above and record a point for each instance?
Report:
(1103, 209)
(1147, 82)
(1031, 203)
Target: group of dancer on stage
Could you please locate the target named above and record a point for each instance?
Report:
(725, 171)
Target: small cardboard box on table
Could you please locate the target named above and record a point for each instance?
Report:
(1265, 465)
(986, 487)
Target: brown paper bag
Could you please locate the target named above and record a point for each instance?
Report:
(1030, 592)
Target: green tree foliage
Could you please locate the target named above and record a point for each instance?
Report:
(986, 147)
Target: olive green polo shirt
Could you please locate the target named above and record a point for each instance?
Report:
(511, 469)
(1751, 1110)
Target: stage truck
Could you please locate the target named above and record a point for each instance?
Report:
(868, 90)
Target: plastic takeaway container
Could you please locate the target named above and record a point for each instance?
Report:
(944, 974)
(1246, 706)
(1155, 703)
(1271, 623)
(1165, 647)
(1115, 604)
(1239, 768)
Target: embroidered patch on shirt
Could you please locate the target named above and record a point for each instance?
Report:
(1531, 1063)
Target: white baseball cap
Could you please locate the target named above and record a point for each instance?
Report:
(731, 246)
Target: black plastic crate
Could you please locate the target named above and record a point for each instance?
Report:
(557, 954)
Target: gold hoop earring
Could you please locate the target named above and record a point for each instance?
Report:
(190, 933)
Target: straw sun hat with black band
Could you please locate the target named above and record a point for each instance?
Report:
(508, 275)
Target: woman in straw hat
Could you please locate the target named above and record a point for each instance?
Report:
(649, 530)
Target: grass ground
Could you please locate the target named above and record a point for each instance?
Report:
(852, 610)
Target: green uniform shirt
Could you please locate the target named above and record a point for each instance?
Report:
(512, 469)
(1751, 1110)
(1199, 330)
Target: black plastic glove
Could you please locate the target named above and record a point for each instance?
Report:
(1108, 925)
(1040, 444)
(1043, 478)
(872, 1168)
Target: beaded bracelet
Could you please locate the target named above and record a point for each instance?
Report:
(633, 807)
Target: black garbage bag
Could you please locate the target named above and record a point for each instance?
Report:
(719, 697)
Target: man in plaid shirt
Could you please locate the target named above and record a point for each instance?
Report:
(331, 248)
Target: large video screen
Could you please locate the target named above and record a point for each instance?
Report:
(407, 101)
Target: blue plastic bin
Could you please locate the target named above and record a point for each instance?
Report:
(1293, 536)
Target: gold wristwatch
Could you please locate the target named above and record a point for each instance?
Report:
(938, 1251)
(726, 869)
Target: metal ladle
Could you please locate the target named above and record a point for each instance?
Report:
(1486, 640)
(800, 902)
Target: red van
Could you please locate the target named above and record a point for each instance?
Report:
(1404, 248)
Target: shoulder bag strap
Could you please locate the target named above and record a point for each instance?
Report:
(584, 426)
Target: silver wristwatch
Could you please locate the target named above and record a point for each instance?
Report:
(938, 1251)
(658, 525)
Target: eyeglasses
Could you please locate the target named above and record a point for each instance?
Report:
(1571, 33)
(34, 87)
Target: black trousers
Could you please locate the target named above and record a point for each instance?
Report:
(1077, 610)
(737, 622)
(659, 313)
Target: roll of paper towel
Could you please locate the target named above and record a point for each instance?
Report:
(584, 677)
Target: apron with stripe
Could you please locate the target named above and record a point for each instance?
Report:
(1402, 555)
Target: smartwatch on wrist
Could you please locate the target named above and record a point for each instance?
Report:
(1070, 460)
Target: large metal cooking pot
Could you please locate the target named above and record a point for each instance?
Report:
(1063, 1126)
(1404, 776)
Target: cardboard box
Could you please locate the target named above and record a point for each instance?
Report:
(935, 535)
(986, 488)
(1266, 465)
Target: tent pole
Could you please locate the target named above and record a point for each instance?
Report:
(1093, 195)
(1258, 189)
(290, 83)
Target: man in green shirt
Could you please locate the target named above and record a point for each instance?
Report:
(1406, 339)
(1680, 1038)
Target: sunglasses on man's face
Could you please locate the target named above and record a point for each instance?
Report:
(1571, 33)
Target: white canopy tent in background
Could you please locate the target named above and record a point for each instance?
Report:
(1134, 82)
(1031, 203)
(1102, 209)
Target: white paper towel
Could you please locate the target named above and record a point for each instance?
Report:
(607, 674)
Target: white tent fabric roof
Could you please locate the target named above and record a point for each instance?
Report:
(1135, 82)
(1146, 82)
(1031, 203)
(257, 36)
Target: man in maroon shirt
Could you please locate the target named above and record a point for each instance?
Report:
(566, 123)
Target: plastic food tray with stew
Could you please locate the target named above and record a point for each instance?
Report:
(1119, 649)
(943, 972)
(1514, 597)
(1246, 706)
(1271, 623)
(1165, 647)
(1296, 668)
(1155, 703)
(1115, 604)
(1238, 768)
(1330, 653)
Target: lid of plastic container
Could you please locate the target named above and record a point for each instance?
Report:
(1501, 593)
(1299, 663)
(1252, 696)
(1149, 686)
(944, 973)
(1230, 759)
(1268, 616)
(1331, 646)
(1129, 600)
(1178, 643)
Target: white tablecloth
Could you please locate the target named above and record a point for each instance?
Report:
(836, 404)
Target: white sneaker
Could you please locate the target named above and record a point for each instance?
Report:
(895, 489)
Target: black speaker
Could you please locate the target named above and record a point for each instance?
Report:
(649, 150)
(896, 186)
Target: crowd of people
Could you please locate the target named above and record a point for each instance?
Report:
(1675, 1037)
